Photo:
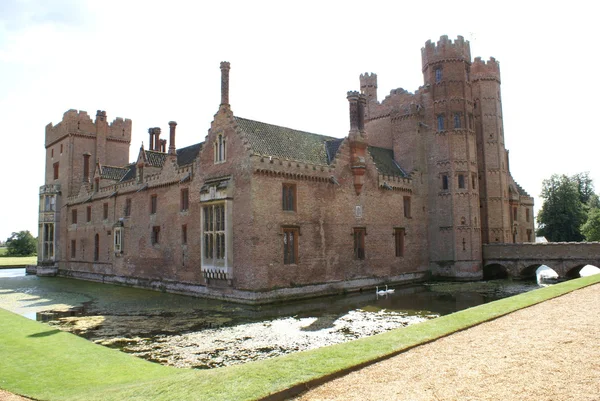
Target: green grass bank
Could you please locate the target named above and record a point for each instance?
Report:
(8, 261)
(44, 363)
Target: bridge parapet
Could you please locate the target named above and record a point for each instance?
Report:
(521, 260)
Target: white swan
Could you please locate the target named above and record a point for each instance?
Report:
(390, 291)
(382, 292)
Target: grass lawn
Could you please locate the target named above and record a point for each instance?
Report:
(17, 261)
(39, 361)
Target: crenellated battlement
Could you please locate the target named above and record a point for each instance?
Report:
(368, 86)
(445, 49)
(485, 70)
(80, 122)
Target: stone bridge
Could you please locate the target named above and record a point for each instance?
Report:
(522, 260)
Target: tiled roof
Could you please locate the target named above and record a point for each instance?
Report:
(332, 147)
(155, 159)
(272, 140)
(188, 154)
(113, 173)
(384, 161)
(131, 171)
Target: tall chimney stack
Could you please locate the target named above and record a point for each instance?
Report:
(151, 134)
(225, 83)
(156, 139)
(172, 150)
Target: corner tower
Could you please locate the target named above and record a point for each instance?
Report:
(454, 234)
(492, 154)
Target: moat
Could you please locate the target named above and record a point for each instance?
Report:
(198, 333)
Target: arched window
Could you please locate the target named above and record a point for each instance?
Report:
(220, 149)
(440, 122)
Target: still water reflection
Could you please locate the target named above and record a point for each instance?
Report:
(191, 332)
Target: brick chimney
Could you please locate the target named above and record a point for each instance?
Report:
(172, 149)
(151, 139)
(225, 66)
(157, 142)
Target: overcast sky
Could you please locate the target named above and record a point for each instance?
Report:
(291, 65)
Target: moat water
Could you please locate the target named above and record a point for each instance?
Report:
(198, 333)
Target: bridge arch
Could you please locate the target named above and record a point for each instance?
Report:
(530, 269)
(494, 271)
(574, 271)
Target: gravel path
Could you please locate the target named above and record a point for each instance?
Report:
(550, 351)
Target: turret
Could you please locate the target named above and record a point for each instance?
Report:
(368, 86)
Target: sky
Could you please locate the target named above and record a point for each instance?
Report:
(291, 65)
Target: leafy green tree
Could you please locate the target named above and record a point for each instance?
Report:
(591, 228)
(563, 212)
(21, 244)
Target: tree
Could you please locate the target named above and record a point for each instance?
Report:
(563, 212)
(21, 244)
(591, 228)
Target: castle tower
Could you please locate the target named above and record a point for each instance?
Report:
(73, 147)
(455, 238)
(492, 155)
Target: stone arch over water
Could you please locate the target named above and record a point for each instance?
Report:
(495, 271)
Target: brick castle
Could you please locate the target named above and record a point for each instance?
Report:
(258, 212)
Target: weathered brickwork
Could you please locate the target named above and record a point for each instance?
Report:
(257, 212)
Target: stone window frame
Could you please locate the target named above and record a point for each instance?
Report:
(399, 234)
(105, 211)
(358, 236)
(289, 197)
(73, 249)
(88, 214)
(55, 168)
(73, 216)
(48, 243)
(118, 240)
(86, 167)
(214, 233)
(49, 203)
(220, 154)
